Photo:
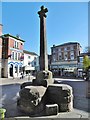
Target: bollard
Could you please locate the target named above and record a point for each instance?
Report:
(2, 113)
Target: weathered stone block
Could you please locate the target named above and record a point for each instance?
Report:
(23, 85)
(26, 105)
(60, 94)
(30, 99)
(66, 107)
(30, 93)
(39, 83)
(52, 109)
(45, 75)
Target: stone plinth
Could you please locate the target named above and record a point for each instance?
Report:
(34, 99)
(60, 94)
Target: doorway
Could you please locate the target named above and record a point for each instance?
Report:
(11, 70)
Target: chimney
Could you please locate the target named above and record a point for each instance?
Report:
(1, 26)
(53, 45)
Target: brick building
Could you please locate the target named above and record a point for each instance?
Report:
(64, 58)
(12, 55)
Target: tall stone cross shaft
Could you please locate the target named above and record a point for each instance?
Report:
(43, 41)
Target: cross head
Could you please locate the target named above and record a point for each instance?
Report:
(42, 12)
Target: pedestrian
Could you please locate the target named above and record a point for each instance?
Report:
(22, 75)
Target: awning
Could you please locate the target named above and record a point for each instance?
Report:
(29, 68)
(69, 69)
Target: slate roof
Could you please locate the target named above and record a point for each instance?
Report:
(28, 52)
(68, 43)
(8, 35)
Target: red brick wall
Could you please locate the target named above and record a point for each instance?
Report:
(20, 46)
(11, 43)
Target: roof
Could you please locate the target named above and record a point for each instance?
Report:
(28, 52)
(69, 43)
(8, 35)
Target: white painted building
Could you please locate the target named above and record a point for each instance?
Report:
(30, 61)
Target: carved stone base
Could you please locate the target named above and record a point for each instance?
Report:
(45, 75)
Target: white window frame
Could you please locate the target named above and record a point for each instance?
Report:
(13, 55)
(72, 55)
(65, 56)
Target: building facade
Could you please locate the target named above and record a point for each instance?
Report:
(30, 62)
(14, 60)
(64, 58)
(12, 56)
(0, 49)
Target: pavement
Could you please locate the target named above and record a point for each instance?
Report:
(9, 91)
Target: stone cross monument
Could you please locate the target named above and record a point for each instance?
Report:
(43, 41)
(44, 73)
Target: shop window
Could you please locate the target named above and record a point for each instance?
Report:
(29, 57)
(29, 63)
(81, 59)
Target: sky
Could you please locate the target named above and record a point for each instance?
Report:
(65, 22)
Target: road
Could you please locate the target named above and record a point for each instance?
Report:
(11, 87)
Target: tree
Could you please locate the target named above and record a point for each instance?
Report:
(86, 65)
(86, 62)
